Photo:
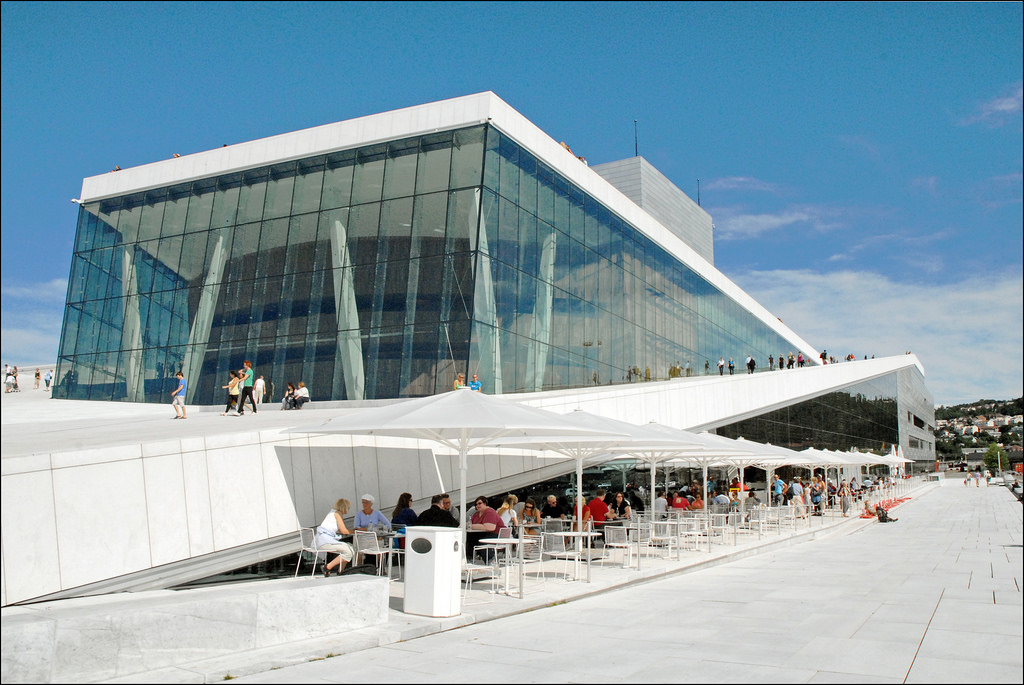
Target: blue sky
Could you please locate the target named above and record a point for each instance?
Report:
(862, 162)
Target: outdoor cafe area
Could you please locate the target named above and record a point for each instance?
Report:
(557, 560)
(513, 572)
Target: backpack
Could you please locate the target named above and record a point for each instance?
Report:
(362, 569)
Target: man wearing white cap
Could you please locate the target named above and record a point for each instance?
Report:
(367, 518)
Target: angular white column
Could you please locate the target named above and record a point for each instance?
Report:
(131, 330)
(350, 350)
(540, 328)
(199, 334)
(408, 335)
(485, 309)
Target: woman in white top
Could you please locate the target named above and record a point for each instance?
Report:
(328, 537)
(301, 395)
(507, 511)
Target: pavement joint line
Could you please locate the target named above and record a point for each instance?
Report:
(924, 634)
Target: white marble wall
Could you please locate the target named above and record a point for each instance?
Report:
(98, 638)
(76, 518)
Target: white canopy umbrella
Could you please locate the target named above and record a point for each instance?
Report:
(764, 455)
(682, 447)
(628, 439)
(463, 420)
(591, 448)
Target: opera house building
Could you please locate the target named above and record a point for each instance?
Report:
(375, 259)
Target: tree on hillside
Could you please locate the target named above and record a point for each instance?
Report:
(949, 450)
(995, 457)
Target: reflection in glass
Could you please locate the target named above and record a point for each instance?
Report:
(382, 271)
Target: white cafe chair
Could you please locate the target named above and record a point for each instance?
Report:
(617, 537)
(367, 543)
(663, 535)
(307, 541)
(556, 547)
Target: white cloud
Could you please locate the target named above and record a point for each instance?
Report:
(929, 184)
(863, 144)
(998, 110)
(33, 314)
(732, 224)
(1000, 191)
(49, 291)
(741, 183)
(24, 347)
(968, 335)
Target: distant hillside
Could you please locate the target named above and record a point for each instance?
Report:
(981, 408)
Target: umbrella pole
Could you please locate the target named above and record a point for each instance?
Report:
(739, 496)
(579, 516)
(707, 508)
(654, 485)
(463, 449)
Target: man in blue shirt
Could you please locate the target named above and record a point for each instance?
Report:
(368, 517)
(474, 384)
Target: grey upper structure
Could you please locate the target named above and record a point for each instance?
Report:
(659, 197)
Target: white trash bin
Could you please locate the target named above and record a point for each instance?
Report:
(433, 571)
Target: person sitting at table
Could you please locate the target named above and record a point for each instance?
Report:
(563, 504)
(369, 517)
(507, 512)
(403, 514)
(584, 522)
(750, 503)
(446, 504)
(531, 517)
(598, 509)
(551, 509)
(719, 498)
(484, 524)
(660, 505)
(328, 537)
(436, 515)
(698, 502)
(620, 507)
(679, 501)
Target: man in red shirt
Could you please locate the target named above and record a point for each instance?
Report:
(485, 524)
(598, 509)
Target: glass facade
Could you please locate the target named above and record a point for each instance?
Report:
(382, 272)
(865, 416)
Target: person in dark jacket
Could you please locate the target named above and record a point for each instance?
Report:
(436, 516)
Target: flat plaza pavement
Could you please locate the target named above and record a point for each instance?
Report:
(935, 597)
